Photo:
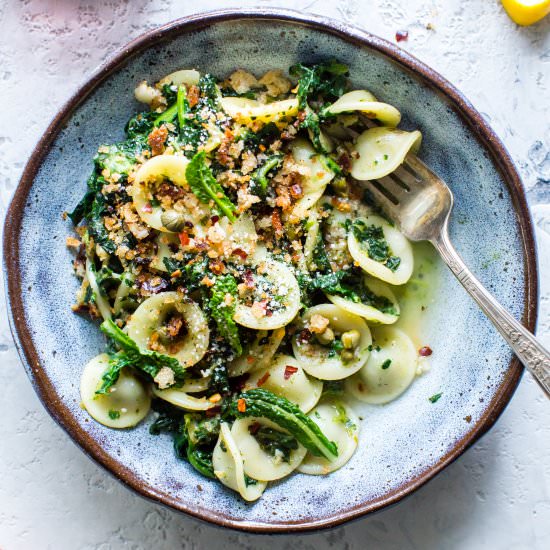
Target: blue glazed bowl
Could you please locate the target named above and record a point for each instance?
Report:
(402, 445)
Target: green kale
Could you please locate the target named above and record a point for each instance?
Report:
(130, 355)
(230, 92)
(331, 283)
(333, 388)
(327, 80)
(200, 439)
(203, 431)
(193, 270)
(182, 106)
(203, 183)
(210, 93)
(274, 442)
(222, 312)
(265, 136)
(261, 403)
(319, 255)
(169, 93)
(96, 227)
(141, 125)
(217, 365)
(169, 417)
(259, 177)
(118, 158)
(378, 249)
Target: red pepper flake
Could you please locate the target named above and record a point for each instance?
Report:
(425, 351)
(263, 380)
(240, 253)
(289, 371)
(147, 208)
(241, 405)
(249, 279)
(400, 36)
(276, 221)
(184, 238)
(214, 219)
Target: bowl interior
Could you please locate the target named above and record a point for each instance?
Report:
(399, 443)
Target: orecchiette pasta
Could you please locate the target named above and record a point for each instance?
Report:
(257, 463)
(125, 405)
(390, 369)
(285, 377)
(228, 467)
(377, 266)
(341, 425)
(320, 357)
(381, 151)
(365, 102)
(277, 292)
(148, 327)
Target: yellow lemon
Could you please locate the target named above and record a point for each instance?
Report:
(526, 12)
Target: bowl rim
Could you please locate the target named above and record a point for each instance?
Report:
(468, 114)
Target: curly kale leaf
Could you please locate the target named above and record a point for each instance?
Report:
(130, 355)
(210, 93)
(275, 443)
(193, 269)
(118, 158)
(327, 79)
(378, 249)
(222, 303)
(260, 180)
(141, 125)
(96, 227)
(203, 183)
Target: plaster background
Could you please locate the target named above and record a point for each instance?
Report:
(496, 496)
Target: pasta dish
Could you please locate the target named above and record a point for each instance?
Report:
(247, 286)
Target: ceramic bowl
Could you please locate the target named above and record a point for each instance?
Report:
(403, 444)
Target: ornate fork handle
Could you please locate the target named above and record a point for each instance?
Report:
(530, 352)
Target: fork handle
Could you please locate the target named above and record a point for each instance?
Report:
(529, 351)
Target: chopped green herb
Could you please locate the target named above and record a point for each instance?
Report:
(435, 398)
(386, 364)
(113, 414)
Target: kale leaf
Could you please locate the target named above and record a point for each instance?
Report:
(118, 158)
(275, 443)
(140, 125)
(377, 247)
(222, 309)
(259, 177)
(193, 270)
(203, 183)
(327, 79)
(130, 355)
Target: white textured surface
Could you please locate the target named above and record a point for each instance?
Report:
(496, 496)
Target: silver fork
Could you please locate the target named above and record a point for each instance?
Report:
(420, 203)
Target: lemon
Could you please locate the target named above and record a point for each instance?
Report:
(526, 12)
